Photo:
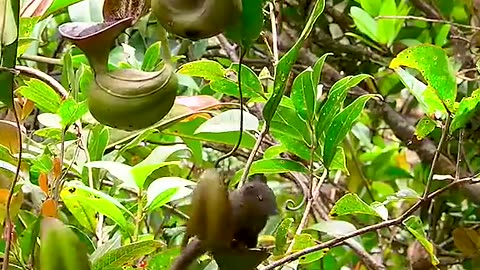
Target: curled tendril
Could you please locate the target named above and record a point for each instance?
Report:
(290, 204)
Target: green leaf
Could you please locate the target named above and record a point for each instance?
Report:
(268, 166)
(152, 57)
(317, 69)
(424, 127)
(137, 140)
(338, 228)
(117, 169)
(28, 238)
(386, 30)
(248, 28)
(98, 195)
(157, 159)
(58, 5)
(185, 130)
(371, 6)
(61, 248)
(25, 38)
(303, 94)
(167, 189)
(286, 63)
(339, 161)
(287, 121)
(352, 204)
(8, 25)
(303, 241)
(365, 23)
(414, 226)
(466, 109)
(250, 81)
(71, 111)
(281, 236)
(115, 259)
(228, 121)
(216, 74)
(427, 98)
(97, 142)
(207, 69)
(432, 61)
(68, 73)
(164, 259)
(341, 125)
(44, 97)
(83, 213)
(442, 35)
(334, 102)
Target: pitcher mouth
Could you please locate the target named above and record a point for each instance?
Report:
(84, 30)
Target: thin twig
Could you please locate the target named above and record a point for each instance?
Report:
(459, 153)
(42, 59)
(273, 22)
(252, 155)
(228, 48)
(436, 155)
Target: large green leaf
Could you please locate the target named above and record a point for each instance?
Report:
(365, 23)
(303, 94)
(335, 99)
(466, 109)
(287, 61)
(97, 142)
(274, 165)
(83, 213)
(44, 97)
(303, 241)
(338, 228)
(60, 248)
(157, 159)
(352, 204)
(229, 121)
(99, 202)
(428, 100)
(414, 226)
(432, 61)
(216, 74)
(167, 189)
(71, 111)
(341, 125)
(281, 236)
(117, 258)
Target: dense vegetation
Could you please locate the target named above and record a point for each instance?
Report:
(360, 114)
